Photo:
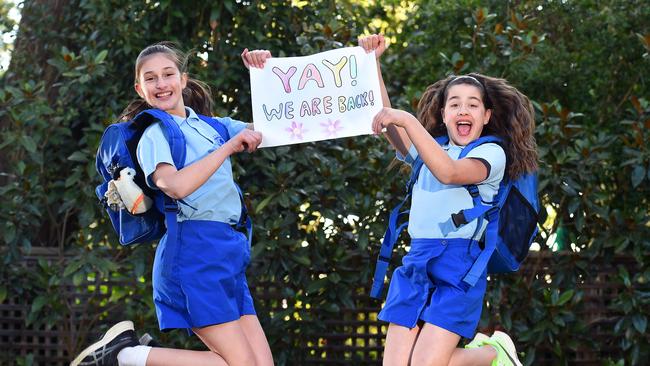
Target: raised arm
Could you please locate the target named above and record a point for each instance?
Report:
(179, 184)
(395, 135)
(447, 170)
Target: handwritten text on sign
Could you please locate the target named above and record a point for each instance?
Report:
(323, 96)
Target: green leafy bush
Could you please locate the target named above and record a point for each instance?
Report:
(320, 209)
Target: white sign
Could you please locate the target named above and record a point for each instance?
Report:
(324, 96)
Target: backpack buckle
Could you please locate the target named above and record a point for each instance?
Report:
(383, 259)
(473, 190)
(492, 213)
(459, 218)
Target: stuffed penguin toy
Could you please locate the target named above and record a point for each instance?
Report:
(125, 193)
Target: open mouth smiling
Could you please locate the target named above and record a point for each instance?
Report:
(163, 95)
(464, 128)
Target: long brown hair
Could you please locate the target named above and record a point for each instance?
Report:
(512, 119)
(196, 95)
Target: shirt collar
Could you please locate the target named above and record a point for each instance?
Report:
(451, 146)
(190, 115)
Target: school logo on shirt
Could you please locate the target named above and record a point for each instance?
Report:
(218, 140)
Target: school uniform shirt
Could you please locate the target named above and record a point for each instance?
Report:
(217, 199)
(433, 203)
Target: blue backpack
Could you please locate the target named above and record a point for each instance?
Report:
(512, 223)
(117, 150)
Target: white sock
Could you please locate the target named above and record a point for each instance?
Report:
(133, 356)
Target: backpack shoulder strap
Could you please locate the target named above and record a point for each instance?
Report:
(396, 224)
(478, 212)
(480, 209)
(244, 219)
(176, 140)
(442, 140)
(473, 188)
(418, 163)
(217, 125)
(173, 133)
(480, 141)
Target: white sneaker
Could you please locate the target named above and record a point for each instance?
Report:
(478, 341)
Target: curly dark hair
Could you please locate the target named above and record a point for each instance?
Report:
(196, 94)
(512, 119)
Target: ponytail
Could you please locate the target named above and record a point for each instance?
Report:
(132, 109)
(197, 95)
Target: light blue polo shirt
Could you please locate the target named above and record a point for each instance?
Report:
(217, 199)
(433, 202)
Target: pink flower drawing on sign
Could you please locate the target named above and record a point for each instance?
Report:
(296, 130)
(331, 128)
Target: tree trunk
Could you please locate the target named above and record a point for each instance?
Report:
(29, 56)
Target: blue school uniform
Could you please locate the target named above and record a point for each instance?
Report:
(428, 285)
(199, 279)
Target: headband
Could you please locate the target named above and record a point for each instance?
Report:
(488, 102)
(466, 77)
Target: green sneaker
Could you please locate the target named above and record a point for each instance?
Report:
(478, 341)
(506, 352)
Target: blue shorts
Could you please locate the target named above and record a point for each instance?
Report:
(428, 287)
(200, 279)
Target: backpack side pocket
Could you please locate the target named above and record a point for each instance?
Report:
(517, 224)
(132, 229)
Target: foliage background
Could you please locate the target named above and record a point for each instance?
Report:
(320, 209)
